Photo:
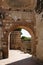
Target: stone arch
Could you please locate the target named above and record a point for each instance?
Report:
(29, 26)
(33, 48)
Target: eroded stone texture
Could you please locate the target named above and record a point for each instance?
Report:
(22, 18)
(39, 26)
(9, 25)
(16, 40)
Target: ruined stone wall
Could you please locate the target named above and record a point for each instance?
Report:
(39, 27)
(15, 40)
(12, 21)
(27, 45)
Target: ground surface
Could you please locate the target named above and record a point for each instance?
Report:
(16, 57)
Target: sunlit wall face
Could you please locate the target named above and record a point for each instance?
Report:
(25, 33)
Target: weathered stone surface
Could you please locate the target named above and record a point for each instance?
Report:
(22, 19)
(39, 48)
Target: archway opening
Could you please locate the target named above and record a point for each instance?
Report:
(19, 51)
(21, 39)
(26, 39)
(19, 42)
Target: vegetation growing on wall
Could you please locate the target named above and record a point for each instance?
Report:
(26, 38)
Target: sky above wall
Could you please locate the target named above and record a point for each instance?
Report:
(25, 33)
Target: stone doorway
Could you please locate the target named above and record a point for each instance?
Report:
(17, 41)
(16, 33)
(10, 27)
(33, 49)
